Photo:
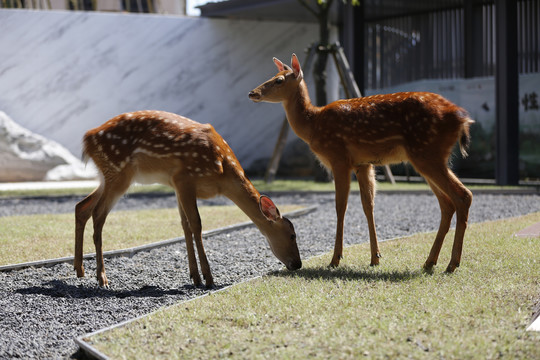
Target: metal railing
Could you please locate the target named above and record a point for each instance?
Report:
(432, 44)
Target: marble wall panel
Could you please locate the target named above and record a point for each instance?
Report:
(62, 73)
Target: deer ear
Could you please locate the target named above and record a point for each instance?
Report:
(297, 70)
(279, 64)
(268, 208)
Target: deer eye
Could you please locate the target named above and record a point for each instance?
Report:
(293, 237)
(280, 80)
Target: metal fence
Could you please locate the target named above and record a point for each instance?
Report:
(431, 45)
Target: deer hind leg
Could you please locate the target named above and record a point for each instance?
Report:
(188, 201)
(342, 182)
(83, 211)
(445, 180)
(365, 175)
(112, 190)
(447, 212)
(192, 260)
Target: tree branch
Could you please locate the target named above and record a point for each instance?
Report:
(306, 5)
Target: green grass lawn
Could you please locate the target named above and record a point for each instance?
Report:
(39, 237)
(277, 185)
(355, 311)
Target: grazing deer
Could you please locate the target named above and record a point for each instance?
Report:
(192, 158)
(355, 134)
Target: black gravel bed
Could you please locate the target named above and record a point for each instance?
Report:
(43, 309)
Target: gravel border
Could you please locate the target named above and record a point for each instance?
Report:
(43, 309)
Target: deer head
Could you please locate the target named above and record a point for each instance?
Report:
(280, 87)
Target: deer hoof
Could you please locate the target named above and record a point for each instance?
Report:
(103, 283)
(196, 280)
(80, 272)
(335, 261)
(451, 268)
(375, 260)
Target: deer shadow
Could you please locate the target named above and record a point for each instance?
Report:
(348, 273)
(61, 289)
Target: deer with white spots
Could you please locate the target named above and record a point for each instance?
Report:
(355, 134)
(192, 158)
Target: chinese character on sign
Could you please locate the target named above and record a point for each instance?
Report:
(530, 101)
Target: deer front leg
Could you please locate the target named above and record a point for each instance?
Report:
(188, 202)
(192, 260)
(342, 182)
(365, 175)
(205, 266)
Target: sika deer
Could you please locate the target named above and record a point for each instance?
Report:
(355, 134)
(192, 158)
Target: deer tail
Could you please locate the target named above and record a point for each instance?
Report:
(465, 135)
(85, 156)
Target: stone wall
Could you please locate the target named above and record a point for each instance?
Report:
(63, 73)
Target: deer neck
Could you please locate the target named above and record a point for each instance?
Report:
(301, 112)
(246, 197)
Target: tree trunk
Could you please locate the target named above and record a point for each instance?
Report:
(319, 75)
(319, 70)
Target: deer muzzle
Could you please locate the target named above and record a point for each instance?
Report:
(294, 265)
(255, 96)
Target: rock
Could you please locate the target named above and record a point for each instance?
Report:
(25, 156)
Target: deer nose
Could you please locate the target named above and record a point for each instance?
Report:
(294, 265)
(254, 95)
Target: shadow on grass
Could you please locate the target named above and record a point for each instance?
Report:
(350, 273)
(60, 289)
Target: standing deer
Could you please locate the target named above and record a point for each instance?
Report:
(355, 134)
(192, 158)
